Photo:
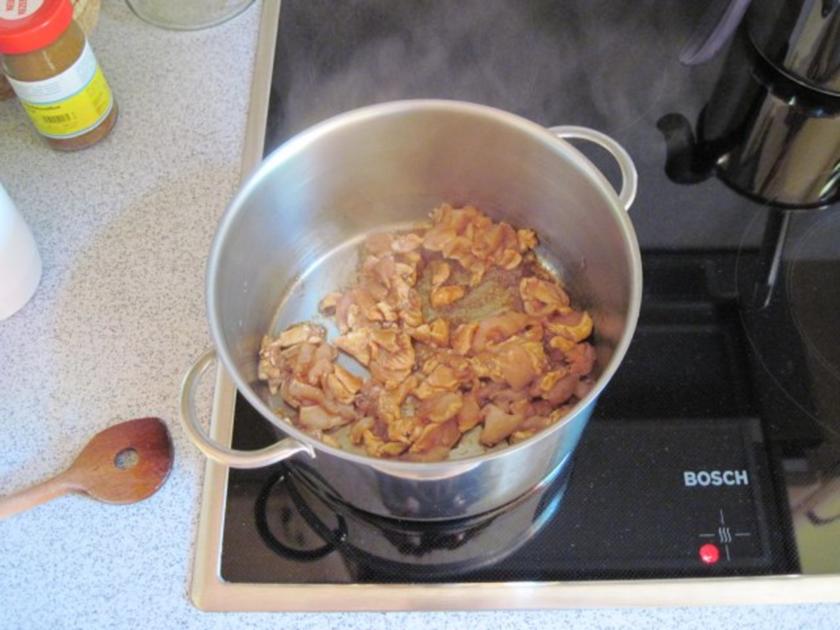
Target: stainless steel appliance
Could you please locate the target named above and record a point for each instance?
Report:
(708, 473)
(771, 128)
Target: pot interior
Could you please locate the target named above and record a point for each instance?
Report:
(291, 234)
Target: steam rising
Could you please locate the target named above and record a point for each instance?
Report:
(608, 64)
(604, 64)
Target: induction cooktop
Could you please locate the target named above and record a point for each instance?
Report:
(710, 471)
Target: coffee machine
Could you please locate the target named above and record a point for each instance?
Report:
(771, 127)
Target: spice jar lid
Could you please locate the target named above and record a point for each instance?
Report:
(27, 25)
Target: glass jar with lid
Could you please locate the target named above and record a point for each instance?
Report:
(52, 69)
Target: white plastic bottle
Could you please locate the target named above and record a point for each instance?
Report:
(20, 263)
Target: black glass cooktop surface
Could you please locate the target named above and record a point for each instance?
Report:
(715, 448)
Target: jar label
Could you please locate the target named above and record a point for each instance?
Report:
(69, 104)
(18, 9)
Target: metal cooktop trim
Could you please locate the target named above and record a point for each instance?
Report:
(209, 592)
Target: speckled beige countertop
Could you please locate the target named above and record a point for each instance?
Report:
(124, 229)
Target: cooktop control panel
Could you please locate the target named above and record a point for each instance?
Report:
(659, 496)
(647, 497)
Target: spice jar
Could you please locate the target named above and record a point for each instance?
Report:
(52, 69)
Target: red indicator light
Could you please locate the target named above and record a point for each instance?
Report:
(709, 553)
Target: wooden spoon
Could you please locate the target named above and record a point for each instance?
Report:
(124, 463)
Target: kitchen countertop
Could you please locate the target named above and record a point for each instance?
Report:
(124, 229)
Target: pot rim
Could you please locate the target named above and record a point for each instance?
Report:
(298, 143)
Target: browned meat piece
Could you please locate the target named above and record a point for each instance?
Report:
(342, 311)
(487, 241)
(498, 425)
(520, 361)
(441, 407)
(509, 238)
(301, 333)
(329, 302)
(561, 343)
(541, 298)
(441, 436)
(342, 385)
(510, 400)
(486, 391)
(425, 391)
(538, 423)
(509, 259)
(562, 390)
(393, 361)
(390, 401)
(385, 339)
(526, 239)
(438, 237)
(460, 365)
(406, 273)
(534, 331)
(411, 313)
(405, 243)
(357, 344)
(462, 338)
(336, 408)
(581, 359)
(389, 313)
(358, 429)
(446, 295)
(470, 413)
(367, 400)
(541, 407)
(271, 365)
(406, 429)
(443, 377)
(316, 417)
(377, 447)
(297, 393)
(547, 381)
(367, 306)
(436, 333)
(498, 328)
(575, 325)
(349, 381)
(321, 364)
(458, 248)
(535, 423)
(486, 365)
(440, 271)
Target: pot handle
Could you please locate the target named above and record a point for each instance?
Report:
(219, 452)
(629, 176)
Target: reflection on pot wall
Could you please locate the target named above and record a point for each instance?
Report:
(315, 526)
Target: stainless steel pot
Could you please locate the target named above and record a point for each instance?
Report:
(377, 167)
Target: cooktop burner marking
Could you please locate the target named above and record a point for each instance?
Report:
(780, 324)
(820, 242)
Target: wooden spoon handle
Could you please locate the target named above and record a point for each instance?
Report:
(36, 495)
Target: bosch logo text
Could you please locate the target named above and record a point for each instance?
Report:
(715, 478)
